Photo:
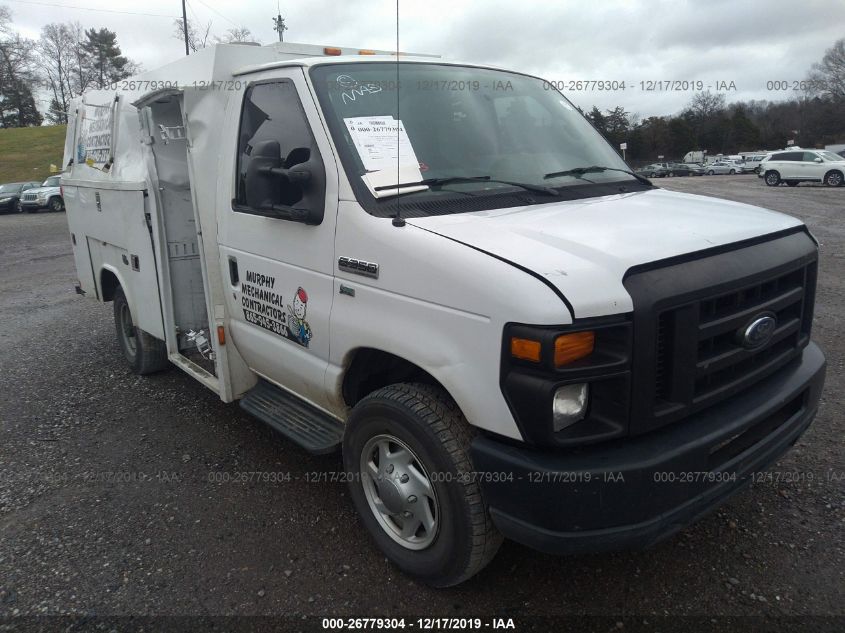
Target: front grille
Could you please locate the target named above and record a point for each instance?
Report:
(30, 197)
(720, 364)
(689, 315)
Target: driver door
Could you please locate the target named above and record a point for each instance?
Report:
(279, 270)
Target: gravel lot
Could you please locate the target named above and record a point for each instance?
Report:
(77, 538)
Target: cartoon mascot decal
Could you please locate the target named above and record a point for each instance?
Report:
(298, 328)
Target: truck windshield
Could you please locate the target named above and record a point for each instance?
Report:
(478, 128)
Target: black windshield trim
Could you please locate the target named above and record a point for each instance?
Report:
(453, 202)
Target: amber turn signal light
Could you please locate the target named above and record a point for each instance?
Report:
(571, 347)
(525, 349)
(332, 50)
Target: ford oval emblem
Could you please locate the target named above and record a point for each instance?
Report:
(758, 332)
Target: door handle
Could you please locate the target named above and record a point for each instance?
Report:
(233, 271)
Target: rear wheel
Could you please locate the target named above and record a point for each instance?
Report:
(144, 353)
(772, 178)
(833, 178)
(406, 448)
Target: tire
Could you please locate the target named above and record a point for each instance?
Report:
(18, 206)
(710, 173)
(56, 204)
(671, 173)
(833, 178)
(732, 172)
(792, 183)
(772, 178)
(423, 424)
(144, 353)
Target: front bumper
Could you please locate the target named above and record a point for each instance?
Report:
(634, 492)
(27, 205)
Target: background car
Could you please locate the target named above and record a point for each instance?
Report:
(751, 163)
(722, 167)
(803, 166)
(685, 169)
(48, 195)
(10, 195)
(655, 170)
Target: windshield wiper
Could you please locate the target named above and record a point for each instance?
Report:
(579, 171)
(446, 180)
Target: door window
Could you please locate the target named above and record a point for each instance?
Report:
(272, 113)
(810, 157)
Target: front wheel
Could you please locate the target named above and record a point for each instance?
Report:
(732, 172)
(833, 179)
(710, 173)
(57, 204)
(772, 178)
(406, 449)
(144, 353)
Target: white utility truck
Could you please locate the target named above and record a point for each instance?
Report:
(445, 272)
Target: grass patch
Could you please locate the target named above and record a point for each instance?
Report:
(27, 152)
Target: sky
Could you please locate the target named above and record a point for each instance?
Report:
(735, 47)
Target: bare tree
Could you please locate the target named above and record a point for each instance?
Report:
(237, 34)
(827, 78)
(198, 36)
(56, 56)
(706, 104)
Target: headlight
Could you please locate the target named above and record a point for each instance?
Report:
(2, 200)
(569, 405)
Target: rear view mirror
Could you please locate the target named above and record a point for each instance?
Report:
(292, 189)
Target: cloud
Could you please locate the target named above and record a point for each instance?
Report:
(749, 42)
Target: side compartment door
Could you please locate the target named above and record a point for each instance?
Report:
(277, 235)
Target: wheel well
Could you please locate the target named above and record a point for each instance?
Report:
(372, 369)
(108, 283)
(833, 171)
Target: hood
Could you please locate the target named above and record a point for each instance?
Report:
(584, 247)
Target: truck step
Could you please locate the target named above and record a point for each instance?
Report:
(313, 430)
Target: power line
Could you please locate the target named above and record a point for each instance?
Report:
(218, 13)
(69, 6)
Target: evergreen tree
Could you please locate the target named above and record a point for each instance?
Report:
(104, 58)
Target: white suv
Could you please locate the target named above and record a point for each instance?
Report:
(803, 165)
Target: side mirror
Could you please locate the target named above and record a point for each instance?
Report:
(817, 159)
(292, 189)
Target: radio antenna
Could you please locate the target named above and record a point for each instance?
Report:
(398, 220)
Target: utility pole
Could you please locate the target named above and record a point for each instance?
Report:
(279, 25)
(185, 27)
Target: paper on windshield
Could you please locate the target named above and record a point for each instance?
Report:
(382, 143)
